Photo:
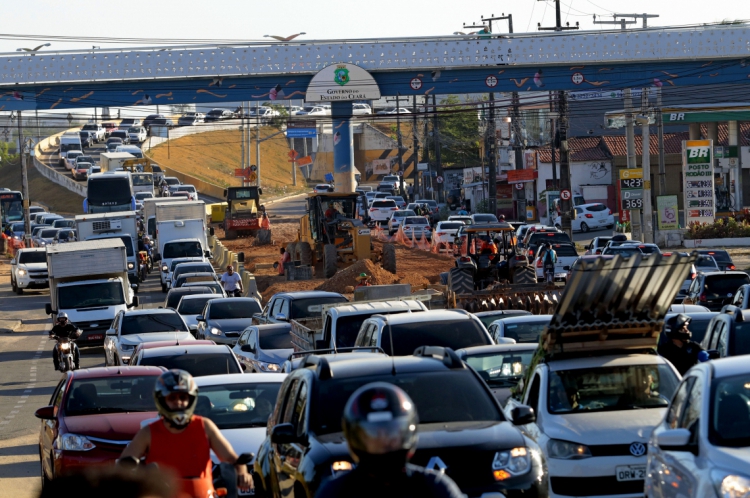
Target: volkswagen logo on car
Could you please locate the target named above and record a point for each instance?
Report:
(637, 449)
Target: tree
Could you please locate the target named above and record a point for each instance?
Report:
(459, 133)
(282, 118)
(6, 157)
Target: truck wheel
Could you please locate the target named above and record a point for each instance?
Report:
(389, 258)
(524, 275)
(304, 253)
(291, 248)
(230, 234)
(460, 281)
(331, 258)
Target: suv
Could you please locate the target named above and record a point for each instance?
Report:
(741, 298)
(727, 333)
(590, 217)
(400, 335)
(381, 209)
(28, 270)
(288, 306)
(566, 256)
(722, 258)
(462, 430)
(715, 289)
(98, 132)
(132, 327)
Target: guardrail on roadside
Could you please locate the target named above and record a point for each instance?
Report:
(51, 173)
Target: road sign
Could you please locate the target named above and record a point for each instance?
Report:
(415, 83)
(301, 132)
(491, 81)
(519, 186)
(565, 195)
(440, 179)
(241, 172)
(301, 123)
(577, 78)
(253, 167)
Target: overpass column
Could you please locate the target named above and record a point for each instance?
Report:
(694, 131)
(343, 147)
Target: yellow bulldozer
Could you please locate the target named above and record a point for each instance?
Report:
(332, 232)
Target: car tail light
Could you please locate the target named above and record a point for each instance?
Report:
(531, 252)
(609, 211)
(465, 259)
(589, 215)
(666, 254)
(394, 209)
(702, 298)
(598, 251)
(731, 267)
(538, 263)
(520, 258)
(372, 209)
(550, 235)
(439, 233)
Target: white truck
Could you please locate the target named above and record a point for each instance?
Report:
(28, 270)
(148, 213)
(122, 225)
(69, 140)
(180, 239)
(339, 324)
(88, 281)
(112, 161)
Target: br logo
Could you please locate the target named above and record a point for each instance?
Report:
(694, 152)
(341, 75)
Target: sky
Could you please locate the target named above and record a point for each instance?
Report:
(321, 19)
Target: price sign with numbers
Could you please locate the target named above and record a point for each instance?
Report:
(631, 183)
(632, 203)
(698, 172)
(631, 188)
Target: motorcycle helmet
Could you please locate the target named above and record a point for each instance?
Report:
(62, 316)
(674, 327)
(175, 381)
(501, 217)
(380, 425)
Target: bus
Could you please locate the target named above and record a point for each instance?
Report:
(11, 207)
(109, 193)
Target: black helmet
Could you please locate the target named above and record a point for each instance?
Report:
(674, 327)
(380, 424)
(175, 381)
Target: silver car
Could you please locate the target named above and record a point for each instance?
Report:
(224, 319)
(191, 307)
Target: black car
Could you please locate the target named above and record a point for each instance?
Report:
(722, 258)
(540, 236)
(741, 298)
(462, 429)
(218, 115)
(174, 295)
(151, 118)
(87, 139)
(715, 289)
(728, 334)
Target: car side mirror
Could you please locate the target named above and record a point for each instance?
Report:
(200, 318)
(247, 348)
(674, 440)
(522, 415)
(284, 434)
(46, 413)
(281, 317)
(111, 332)
(713, 354)
(48, 309)
(12, 262)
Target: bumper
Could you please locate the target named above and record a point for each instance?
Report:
(32, 283)
(75, 462)
(593, 477)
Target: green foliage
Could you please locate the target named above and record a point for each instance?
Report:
(482, 206)
(282, 118)
(721, 229)
(6, 157)
(623, 227)
(459, 134)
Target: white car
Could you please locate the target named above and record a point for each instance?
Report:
(361, 109)
(594, 417)
(400, 202)
(239, 405)
(70, 160)
(317, 110)
(418, 226)
(132, 327)
(445, 231)
(464, 218)
(137, 134)
(190, 191)
(28, 270)
(702, 446)
(92, 170)
(395, 220)
(590, 217)
(191, 307)
(393, 180)
(266, 114)
(393, 110)
(381, 209)
(566, 256)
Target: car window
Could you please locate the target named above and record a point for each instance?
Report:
(305, 308)
(235, 308)
(132, 393)
(532, 399)
(285, 308)
(299, 409)
(193, 306)
(238, 406)
(596, 208)
(729, 416)
(289, 406)
(565, 250)
(723, 285)
(455, 334)
(251, 339)
(678, 403)
(273, 339)
(384, 204)
(196, 364)
(692, 410)
(57, 394)
(525, 331)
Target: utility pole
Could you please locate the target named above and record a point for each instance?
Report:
(635, 215)
(436, 133)
(257, 143)
(415, 145)
(660, 132)
(648, 229)
(400, 143)
(566, 205)
(24, 184)
(623, 22)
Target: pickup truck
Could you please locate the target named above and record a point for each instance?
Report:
(97, 131)
(287, 306)
(28, 270)
(338, 325)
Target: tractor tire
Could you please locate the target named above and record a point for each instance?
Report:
(389, 258)
(460, 281)
(524, 275)
(263, 237)
(304, 253)
(330, 255)
(230, 234)
(291, 248)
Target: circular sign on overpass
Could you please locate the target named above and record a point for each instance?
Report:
(416, 83)
(577, 78)
(491, 81)
(565, 195)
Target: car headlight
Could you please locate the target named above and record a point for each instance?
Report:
(74, 442)
(131, 266)
(164, 269)
(41, 243)
(730, 486)
(269, 367)
(127, 347)
(341, 466)
(21, 272)
(215, 331)
(565, 450)
(509, 463)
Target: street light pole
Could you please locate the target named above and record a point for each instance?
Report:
(24, 184)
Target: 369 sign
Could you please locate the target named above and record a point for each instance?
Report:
(632, 203)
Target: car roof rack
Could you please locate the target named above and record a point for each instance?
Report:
(449, 357)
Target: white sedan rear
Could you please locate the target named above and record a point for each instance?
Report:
(595, 216)
(445, 232)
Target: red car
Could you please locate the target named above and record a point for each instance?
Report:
(93, 414)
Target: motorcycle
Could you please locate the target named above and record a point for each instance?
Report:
(65, 353)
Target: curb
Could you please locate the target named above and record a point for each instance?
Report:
(9, 326)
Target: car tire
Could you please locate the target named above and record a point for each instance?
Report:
(164, 288)
(19, 290)
(13, 286)
(584, 227)
(304, 253)
(610, 227)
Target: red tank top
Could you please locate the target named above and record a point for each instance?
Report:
(188, 454)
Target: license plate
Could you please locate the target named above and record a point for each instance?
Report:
(95, 337)
(630, 472)
(39, 281)
(245, 493)
(602, 221)
(561, 275)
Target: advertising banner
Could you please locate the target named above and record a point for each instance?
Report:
(666, 213)
(381, 167)
(698, 174)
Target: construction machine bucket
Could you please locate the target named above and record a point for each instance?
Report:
(615, 304)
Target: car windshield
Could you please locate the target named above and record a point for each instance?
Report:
(304, 308)
(144, 195)
(132, 393)
(48, 234)
(440, 397)
(187, 249)
(626, 387)
(489, 318)
(384, 204)
(526, 330)
(551, 237)
(719, 256)
(174, 296)
(90, 295)
(347, 327)
(193, 306)
(729, 416)
(455, 334)
(503, 368)
(152, 322)
(275, 339)
(624, 250)
(177, 261)
(194, 277)
(706, 262)
(197, 365)
(236, 308)
(134, 130)
(32, 257)
(724, 285)
(237, 406)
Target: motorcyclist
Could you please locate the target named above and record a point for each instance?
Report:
(380, 426)
(232, 282)
(679, 349)
(182, 441)
(549, 258)
(64, 328)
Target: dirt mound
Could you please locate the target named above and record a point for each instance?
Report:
(347, 277)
